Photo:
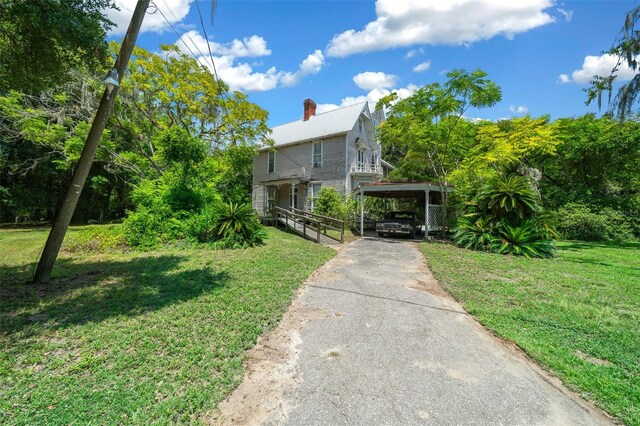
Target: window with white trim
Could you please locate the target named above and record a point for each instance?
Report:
(361, 158)
(316, 187)
(316, 153)
(271, 196)
(272, 162)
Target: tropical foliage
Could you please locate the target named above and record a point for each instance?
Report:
(588, 161)
(426, 133)
(331, 203)
(177, 143)
(42, 41)
(503, 218)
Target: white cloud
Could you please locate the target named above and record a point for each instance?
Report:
(408, 22)
(241, 75)
(372, 97)
(414, 52)
(422, 67)
(520, 109)
(374, 80)
(311, 65)
(598, 65)
(568, 14)
(174, 10)
(248, 47)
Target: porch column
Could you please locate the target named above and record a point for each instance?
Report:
(291, 196)
(361, 213)
(426, 214)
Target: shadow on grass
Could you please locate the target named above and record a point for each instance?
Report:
(95, 291)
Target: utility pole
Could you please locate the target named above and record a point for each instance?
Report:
(61, 223)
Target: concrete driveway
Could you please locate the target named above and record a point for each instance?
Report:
(373, 339)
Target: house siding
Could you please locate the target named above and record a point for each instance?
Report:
(294, 163)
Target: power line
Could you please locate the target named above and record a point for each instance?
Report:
(204, 31)
(202, 55)
(179, 36)
(213, 64)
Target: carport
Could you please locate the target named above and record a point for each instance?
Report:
(421, 191)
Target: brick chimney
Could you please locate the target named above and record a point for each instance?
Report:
(309, 109)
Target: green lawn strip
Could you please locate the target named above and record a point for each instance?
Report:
(157, 337)
(577, 314)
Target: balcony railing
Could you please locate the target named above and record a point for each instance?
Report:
(367, 168)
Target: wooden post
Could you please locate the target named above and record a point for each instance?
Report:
(361, 213)
(318, 231)
(64, 215)
(304, 228)
(342, 233)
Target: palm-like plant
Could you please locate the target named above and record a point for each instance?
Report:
(509, 196)
(237, 222)
(474, 232)
(524, 239)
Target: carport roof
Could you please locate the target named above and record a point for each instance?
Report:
(399, 189)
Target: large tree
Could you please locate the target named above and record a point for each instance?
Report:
(627, 49)
(41, 137)
(429, 127)
(42, 40)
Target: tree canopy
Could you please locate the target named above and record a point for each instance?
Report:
(626, 48)
(41, 137)
(41, 41)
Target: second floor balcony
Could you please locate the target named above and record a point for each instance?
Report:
(366, 168)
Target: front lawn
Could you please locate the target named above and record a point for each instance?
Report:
(577, 314)
(157, 337)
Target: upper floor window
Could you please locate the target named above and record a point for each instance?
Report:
(360, 124)
(361, 157)
(316, 154)
(272, 162)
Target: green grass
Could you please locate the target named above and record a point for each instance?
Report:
(577, 314)
(137, 338)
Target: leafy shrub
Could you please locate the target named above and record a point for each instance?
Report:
(331, 203)
(202, 225)
(505, 217)
(579, 222)
(522, 239)
(237, 225)
(183, 198)
(474, 232)
(148, 229)
(509, 196)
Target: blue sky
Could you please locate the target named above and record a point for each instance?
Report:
(540, 52)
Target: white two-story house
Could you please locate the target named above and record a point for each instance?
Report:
(337, 148)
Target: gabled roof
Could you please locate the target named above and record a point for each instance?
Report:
(322, 125)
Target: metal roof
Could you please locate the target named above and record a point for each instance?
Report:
(322, 125)
(399, 189)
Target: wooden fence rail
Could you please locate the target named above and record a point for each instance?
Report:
(309, 225)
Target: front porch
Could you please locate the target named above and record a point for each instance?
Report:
(286, 194)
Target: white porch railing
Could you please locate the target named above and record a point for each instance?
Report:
(366, 168)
